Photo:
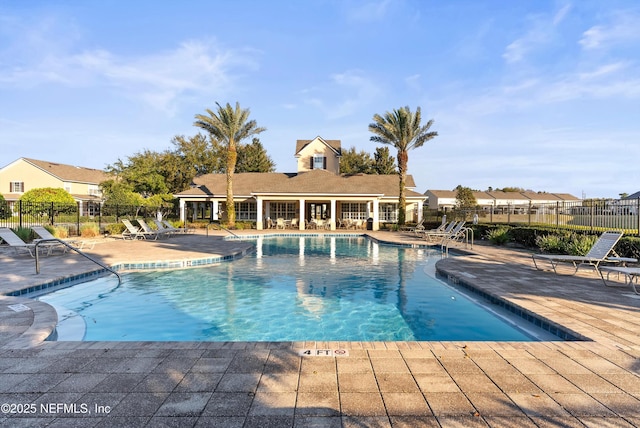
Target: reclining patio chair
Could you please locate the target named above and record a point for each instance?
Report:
(150, 232)
(10, 238)
(599, 253)
(439, 233)
(631, 275)
(132, 232)
(44, 234)
(169, 226)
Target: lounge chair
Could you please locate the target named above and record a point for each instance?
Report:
(80, 244)
(17, 244)
(602, 251)
(418, 228)
(44, 234)
(444, 227)
(161, 228)
(631, 274)
(132, 232)
(176, 229)
(438, 233)
(149, 231)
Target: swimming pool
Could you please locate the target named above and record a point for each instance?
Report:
(323, 288)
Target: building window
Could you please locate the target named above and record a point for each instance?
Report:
(388, 213)
(16, 187)
(354, 210)
(285, 210)
(319, 162)
(246, 211)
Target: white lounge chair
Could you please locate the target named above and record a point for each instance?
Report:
(602, 251)
(438, 234)
(43, 233)
(14, 242)
(150, 232)
(176, 229)
(162, 228)
(631, 274)
(132, 232)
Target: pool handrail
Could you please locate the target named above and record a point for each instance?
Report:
(102, 265)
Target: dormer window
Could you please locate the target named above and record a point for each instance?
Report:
(318, 162)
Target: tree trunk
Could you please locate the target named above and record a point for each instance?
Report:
(232, 156)
(402, 174)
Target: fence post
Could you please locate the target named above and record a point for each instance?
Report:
(557, 214)
(78, 218)
(530, 207)
(20, 213)
(638, 213)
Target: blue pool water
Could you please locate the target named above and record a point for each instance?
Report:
(289, 289)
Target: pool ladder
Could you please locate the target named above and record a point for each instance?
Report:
(77, 250)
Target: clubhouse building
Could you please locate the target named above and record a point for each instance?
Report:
(317, 192)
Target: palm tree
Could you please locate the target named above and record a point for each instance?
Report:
(229, 126)
(402, 130)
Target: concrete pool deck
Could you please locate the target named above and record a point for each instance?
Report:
(594, 383)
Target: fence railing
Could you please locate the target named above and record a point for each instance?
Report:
(589, 215)
(72, 216)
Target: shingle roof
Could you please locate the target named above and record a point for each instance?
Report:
(64, 172)
(334, 144)
(310, 182)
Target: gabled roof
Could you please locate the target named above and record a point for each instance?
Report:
(633, 196)
(314, 182)
(334, 145)
(65, 172)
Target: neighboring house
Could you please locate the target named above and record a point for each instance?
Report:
(627, 205)
(497, 200)
(316, 191)
(25, 174)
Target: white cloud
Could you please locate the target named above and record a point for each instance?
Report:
(541, 32)
(623, 28)
(48, 50)
(157, 79)
(353, 90)
(370, 11)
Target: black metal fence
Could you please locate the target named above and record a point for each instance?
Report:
(589, 215)
(73, 216)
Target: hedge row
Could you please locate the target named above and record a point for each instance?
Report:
(529, 237)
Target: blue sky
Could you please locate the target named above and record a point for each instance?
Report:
(540, 94)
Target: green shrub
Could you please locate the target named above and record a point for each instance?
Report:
(628, 246)
(579, 245)
(114, 228)
(24, 233)
(499, 236)
(554, 244)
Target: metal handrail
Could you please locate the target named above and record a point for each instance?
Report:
(77, 251)
(220, 227)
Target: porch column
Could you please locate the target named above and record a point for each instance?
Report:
(376, 215)
(259, 213)
(302, 214)
(333, 214)
(182, 211)
(215, 209)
